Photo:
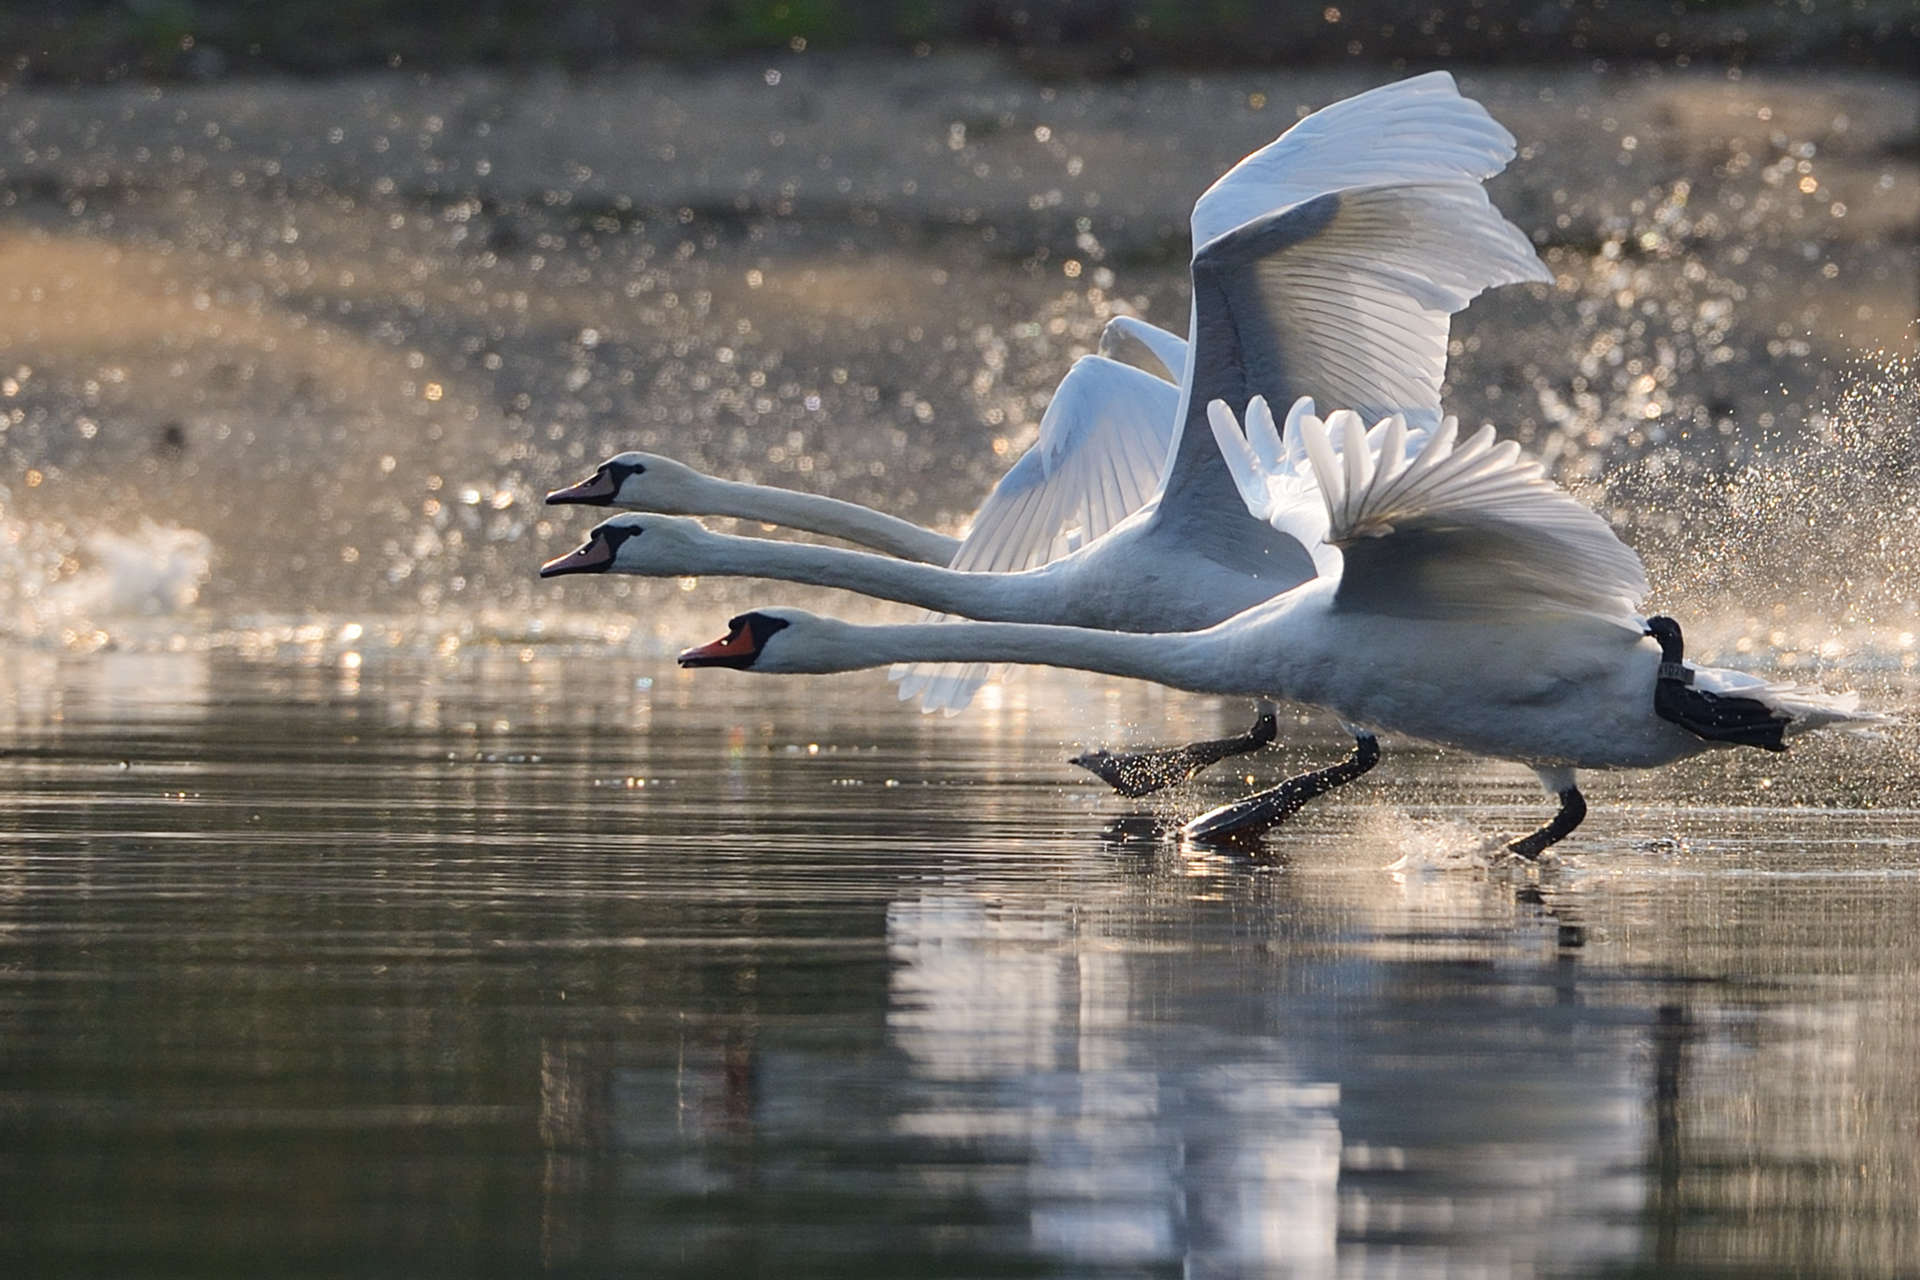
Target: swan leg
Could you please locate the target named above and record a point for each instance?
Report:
(1249, 819)
(1573, 809)
(1141, 773)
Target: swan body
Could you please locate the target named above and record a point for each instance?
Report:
(1556, 694)
(1473, 604)
(1329, 264)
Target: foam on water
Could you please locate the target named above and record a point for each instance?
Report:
(70, 586)
(1435, 845)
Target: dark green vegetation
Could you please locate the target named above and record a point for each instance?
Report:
(91, 40)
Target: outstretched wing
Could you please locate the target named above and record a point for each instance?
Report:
(1130, 337)
(1455, 529)
(1329, 263)
(1103, 442)
(1415, 130)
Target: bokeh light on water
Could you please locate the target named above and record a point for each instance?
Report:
(367, 905)
(348, 332)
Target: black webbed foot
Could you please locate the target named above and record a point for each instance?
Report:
(1573, 811)
(1245, 821)
(1141, 773)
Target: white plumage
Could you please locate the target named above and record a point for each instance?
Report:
(1452, 528)
(1474, 604)
(1326, 264)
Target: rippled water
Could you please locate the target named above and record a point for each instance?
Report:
(367, 906)
(528, 960)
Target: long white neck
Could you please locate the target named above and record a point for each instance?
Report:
(830, 517)
(1005, 597)
(1221, 659)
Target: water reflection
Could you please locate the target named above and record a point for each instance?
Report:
(1234, 1113)
(1018, 1026)
(494, 965)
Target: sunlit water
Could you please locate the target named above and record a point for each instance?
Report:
(367, 906)
(321, 345)
(528, 960)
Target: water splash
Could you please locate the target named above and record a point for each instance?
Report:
(1804, 555)
(74, 587)
(1431, 846)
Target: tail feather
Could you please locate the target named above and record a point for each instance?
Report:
(1806, 709)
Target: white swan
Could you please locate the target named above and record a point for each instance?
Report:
(1328, 263)
(1104, 417)
(661, 546)
(640, 481)
(1463, 600)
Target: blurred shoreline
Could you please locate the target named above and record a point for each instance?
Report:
(89, 41)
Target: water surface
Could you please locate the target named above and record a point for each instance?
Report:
(540, 962)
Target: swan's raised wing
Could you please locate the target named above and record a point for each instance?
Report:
(1128, 335)
(1276, 479)
(1103, 442)
(1329, 263)
(1415, 130)
(1456, 529)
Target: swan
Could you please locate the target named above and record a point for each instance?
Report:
(1102, 414)
(1463, 599)
(1327, 263)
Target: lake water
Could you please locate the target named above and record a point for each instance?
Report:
(548, 960)
(482, 941)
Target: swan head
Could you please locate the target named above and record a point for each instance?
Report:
(635, 481)
(1666, 633)
(651, 546)
(782, 641)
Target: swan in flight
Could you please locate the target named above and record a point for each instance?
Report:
(1462, 599)
(1104, 414)
(1328, 264)
(639, 481)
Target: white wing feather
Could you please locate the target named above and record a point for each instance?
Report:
(1458, 530)
(1415, 130)
(1355, 311)
(1276, 474)
(1103, 442)
(1125, 336)
(1330, 262)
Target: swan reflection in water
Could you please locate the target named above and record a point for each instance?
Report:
(1272, 1130)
